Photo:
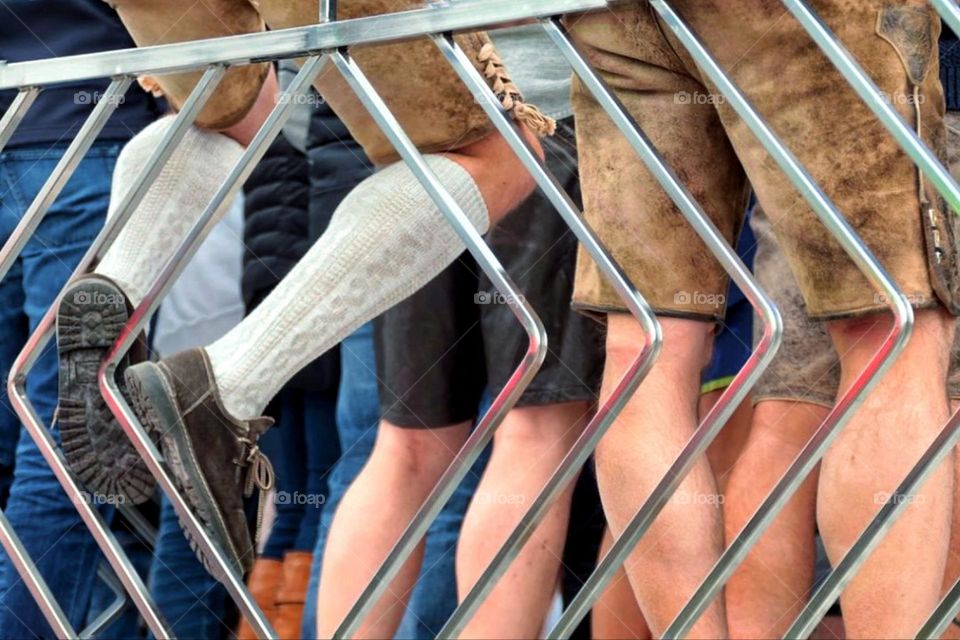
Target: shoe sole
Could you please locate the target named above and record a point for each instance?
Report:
(155, 404)
(89, 321)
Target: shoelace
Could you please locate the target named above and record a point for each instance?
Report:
(510, 96)
(260, 475)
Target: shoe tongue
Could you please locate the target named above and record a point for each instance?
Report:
(259, 426)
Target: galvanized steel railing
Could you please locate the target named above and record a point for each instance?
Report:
(327, 41)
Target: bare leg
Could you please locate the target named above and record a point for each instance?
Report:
(527, 448)
(687, 537)
(870, 457)
(770, 587)
(404, 466)
(952, 573)
(616, 615)
(728, 446)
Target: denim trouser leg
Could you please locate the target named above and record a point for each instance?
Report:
(14, 332)
(323, 451)
(284, 446)
(127, 625)
(194, 604)
(43, 516)
(434, 597)
(303, 447)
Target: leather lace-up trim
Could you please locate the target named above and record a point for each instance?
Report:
(510, 96)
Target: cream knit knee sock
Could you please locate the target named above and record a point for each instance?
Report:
(386, 240)
(186, 184)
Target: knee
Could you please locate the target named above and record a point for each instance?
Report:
(416, 453)
(685, 351)
(531, 431)
(499, 174)
(931, 340)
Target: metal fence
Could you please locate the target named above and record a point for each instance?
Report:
(325, 43)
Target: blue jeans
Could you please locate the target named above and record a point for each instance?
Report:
(435, 595)
(43, 516)
(127, 624)
(303, 447)
(193, 603)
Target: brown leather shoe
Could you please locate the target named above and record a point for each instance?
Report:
(263, 583)
(213, 458)
(292, 594)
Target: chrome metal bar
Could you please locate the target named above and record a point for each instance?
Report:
(328, 10)
(467, 15)
(141, 316)
(67, 164)
(949, 11)
(858, 553)
(942, 616)
(511, 392)
(107, 617)
(16, 387)
(606, 414)
(146, 532)
(8, 538)
(15, 113)
(875, 99)
(38, 588)
(847, 404)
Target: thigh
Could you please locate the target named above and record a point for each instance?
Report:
(433, 106)
(154, 22)
(841, 143)
(658, 250)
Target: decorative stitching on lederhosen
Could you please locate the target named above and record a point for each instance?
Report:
(910, 31)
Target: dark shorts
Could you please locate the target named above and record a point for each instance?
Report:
(441, 349)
